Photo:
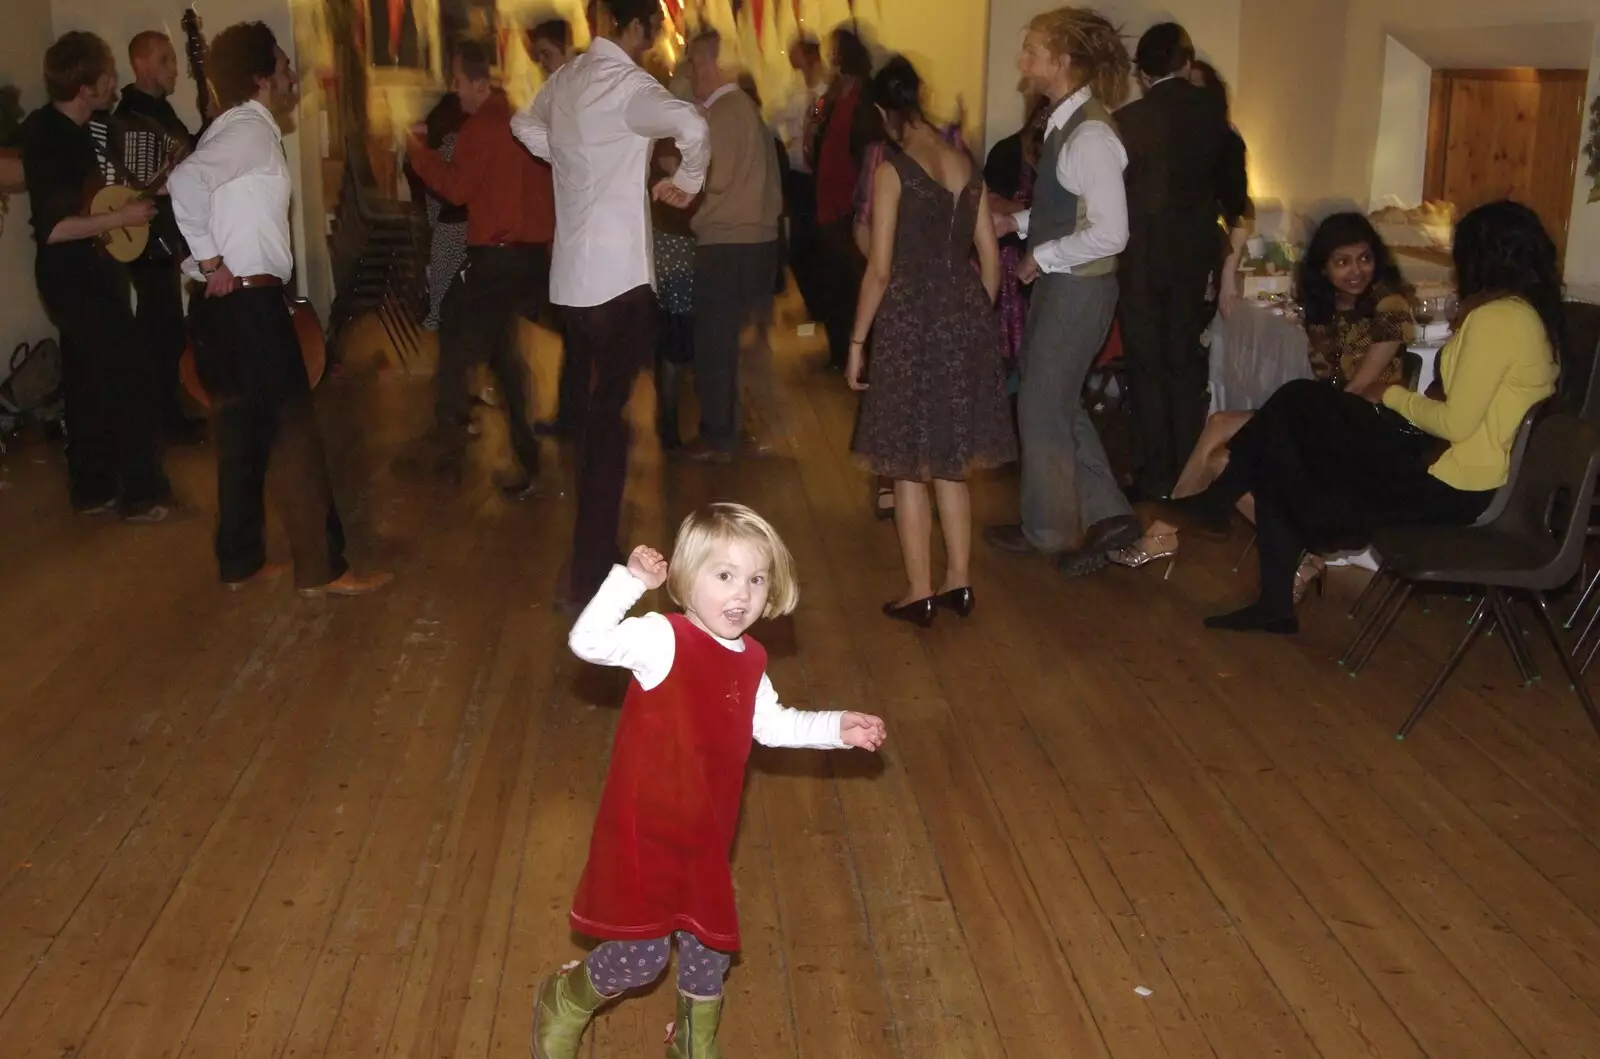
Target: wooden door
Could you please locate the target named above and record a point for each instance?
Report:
(1495, 134)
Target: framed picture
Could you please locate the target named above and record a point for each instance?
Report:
(472, 19)
(395, 40)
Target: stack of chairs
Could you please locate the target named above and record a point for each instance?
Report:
(379, 250)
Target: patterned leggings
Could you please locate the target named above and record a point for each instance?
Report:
(618, 966)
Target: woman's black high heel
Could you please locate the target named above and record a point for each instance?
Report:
(919, 612)
(959, 600)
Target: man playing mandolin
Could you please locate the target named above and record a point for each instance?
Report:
(111, 406)
(231, 198)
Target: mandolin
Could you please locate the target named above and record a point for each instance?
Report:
(194, 49)
(127, 245)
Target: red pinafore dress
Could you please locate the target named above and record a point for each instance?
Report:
(658, 859)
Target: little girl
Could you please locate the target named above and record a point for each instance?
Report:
(658, 859)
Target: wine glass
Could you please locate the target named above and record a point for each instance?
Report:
(1422, 311)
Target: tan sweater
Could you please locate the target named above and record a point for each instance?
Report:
(742, 200)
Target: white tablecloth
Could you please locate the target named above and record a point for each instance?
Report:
(1254, 352)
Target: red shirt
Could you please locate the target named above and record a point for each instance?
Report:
(508, 193)
(836, 168)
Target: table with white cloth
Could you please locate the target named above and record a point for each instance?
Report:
(1254, 350)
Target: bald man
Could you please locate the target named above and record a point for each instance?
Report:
(146, 114)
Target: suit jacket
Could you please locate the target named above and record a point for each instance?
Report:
(1185, 170)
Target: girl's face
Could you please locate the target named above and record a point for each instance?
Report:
(730, 591)
(1349, 269)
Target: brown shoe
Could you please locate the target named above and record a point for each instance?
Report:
(269, 572)
(349, 584)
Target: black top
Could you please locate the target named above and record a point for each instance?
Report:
(136, 103)
(1185, 170)
(1002, 170)
(60, 166)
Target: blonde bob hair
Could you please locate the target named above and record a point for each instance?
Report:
(1099, 56)
(722, 523)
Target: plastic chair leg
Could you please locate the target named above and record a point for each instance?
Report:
(1473, 632)
(1567, 662)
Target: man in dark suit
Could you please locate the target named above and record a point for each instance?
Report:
(1178, 187)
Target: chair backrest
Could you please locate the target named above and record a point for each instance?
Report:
(1557, 480)
(1519, 450)
(1580, 348)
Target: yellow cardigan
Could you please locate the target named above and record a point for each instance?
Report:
(1498, 365)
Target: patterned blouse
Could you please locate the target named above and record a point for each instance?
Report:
(1338, 346)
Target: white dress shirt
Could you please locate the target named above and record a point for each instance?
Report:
(1090, 166)
(594, 122)
(793, 120)
(646, 646)
(231, 196)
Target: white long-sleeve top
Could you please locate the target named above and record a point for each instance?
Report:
(646, 645)
(1090, 166)
(231, 196)
(594, 122)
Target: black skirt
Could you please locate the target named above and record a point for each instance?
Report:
(1340, 468)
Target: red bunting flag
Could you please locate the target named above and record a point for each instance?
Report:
(756, 11)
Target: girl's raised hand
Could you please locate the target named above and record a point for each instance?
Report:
(862, 730)
(649, 566)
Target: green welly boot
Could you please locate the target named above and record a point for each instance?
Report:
(694, 1035)
(567, 1001)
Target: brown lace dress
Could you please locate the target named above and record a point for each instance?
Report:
(936, 406)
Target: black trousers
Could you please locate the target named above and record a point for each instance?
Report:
(805, 242)
(109, 385)
(159, 289)
(843, 267)
(732, 284)
(266, 438)
(607, 346)
(1163, 312)
(478, 321)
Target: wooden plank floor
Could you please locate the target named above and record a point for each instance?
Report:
(253, 826)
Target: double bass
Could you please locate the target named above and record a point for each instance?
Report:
(307, 328)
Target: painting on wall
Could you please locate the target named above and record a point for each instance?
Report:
(395, 36)
(468, 19)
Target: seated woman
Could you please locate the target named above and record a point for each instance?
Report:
(1328, 467)
(1357, 313)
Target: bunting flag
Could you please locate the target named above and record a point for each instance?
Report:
(737, 6)
(797, 19)
(757, 10)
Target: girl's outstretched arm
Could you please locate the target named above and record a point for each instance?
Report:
(605, 636)
(777, 725)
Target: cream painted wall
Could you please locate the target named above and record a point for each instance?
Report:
(1310, 98)
(1401, 154)
(118, 22)
(22, 318)
(1213, 24)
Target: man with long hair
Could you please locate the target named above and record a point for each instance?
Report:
(112, 455)
(594, 122)
(1076, 227)
(231, 198)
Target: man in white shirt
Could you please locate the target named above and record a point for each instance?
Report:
(1076, 228)
(231, 200)
(795, 125)
(594, 122)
